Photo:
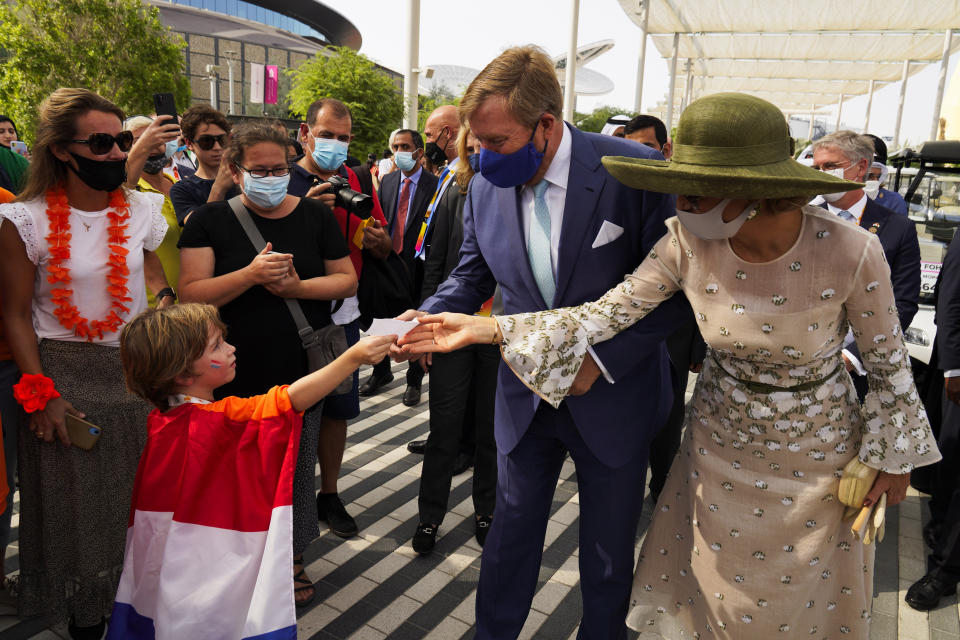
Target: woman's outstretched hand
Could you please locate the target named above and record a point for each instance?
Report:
(445, 332)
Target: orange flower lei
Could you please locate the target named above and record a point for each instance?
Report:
(58, 241)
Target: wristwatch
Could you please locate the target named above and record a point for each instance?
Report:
(166, 291)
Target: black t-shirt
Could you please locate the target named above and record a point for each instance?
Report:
(191, 193)
(260, 325)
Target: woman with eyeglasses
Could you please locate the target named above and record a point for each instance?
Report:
(76, 251)
(305, 258)
(207, 133)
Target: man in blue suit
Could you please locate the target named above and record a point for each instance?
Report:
(546, 222)
(850, 155)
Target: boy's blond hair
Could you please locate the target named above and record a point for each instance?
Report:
(160, 345)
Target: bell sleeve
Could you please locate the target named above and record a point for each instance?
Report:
(546, 349)
(896, 434)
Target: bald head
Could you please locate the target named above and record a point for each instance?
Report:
(441, 128)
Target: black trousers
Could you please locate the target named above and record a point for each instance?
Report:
(945, 502)
(414, 371)
(462, 392)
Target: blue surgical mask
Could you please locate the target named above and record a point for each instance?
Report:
(329, 154)
(512, 169)
(170, 148)
(404, 160)
(266, 192)
(474, 160)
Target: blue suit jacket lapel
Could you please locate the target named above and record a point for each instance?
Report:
(583, 190)
(508, 200)
(869, 215)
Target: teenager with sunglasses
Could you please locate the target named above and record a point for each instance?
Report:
(76, 258)
(207, 133)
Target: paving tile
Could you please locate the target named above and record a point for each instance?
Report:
(394, 615)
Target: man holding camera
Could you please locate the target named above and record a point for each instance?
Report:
(326, 136)
(405, 196)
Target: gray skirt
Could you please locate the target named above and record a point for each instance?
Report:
(305, 527)
(75, 504)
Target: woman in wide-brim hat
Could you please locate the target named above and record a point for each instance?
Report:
(747, 540)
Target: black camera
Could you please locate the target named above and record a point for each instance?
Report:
(359, 204)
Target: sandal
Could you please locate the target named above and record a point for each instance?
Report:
(300, 578)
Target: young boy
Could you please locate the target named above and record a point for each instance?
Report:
(209, 543)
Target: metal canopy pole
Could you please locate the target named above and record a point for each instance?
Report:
(839, 111)
(569, 89)
(411, 74)
(938, 103)
(673, 81)
(642, 60)
(903, 95)
(687, 86)
(812, 117)
(866, 123)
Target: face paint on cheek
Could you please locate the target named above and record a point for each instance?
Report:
(215, 364)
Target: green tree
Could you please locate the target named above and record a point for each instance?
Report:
(440, 94)
(352, 78)
(595, 120)
(117, 48)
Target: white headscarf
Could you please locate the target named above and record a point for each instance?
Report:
(614, 123)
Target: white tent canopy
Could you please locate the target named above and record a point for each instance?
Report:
(814, 52)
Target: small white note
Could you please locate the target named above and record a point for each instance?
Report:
(390, 327)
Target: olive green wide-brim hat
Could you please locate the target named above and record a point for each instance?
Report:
(731, 145)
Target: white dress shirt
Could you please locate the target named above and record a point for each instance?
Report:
(856, 209)
(556, 197)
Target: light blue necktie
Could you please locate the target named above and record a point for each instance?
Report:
(846, 215)
(538, 245)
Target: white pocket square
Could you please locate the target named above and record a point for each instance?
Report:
(608, 233)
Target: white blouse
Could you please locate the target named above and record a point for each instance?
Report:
(88, 260)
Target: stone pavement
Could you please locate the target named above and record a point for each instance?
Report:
(374, 586)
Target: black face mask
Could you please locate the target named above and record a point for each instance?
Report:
(435, 153)
(155, 164)
(102, 175)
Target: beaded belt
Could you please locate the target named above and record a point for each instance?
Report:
(762, 387)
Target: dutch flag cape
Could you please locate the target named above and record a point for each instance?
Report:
(209, 545)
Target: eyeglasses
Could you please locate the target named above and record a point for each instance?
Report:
(101, 143)
(278, 172)
(205, 142)
(830, 166)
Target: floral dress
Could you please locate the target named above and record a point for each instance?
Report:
(747, 539)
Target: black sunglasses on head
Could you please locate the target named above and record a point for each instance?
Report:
(101, 143)
(205, 142)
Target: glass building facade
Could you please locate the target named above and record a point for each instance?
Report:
(256, 13)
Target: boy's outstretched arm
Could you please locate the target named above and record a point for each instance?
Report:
(310, 389)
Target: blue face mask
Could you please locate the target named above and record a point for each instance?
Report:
(329, 154)
(405, 160)
(266, 192)
(474, 160)
(512, 169)
(170, 148)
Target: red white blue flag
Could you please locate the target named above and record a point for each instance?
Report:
(209, 546)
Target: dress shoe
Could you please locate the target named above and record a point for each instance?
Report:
(411, 397)
(925, 593)
(463, 463)
(87, 633)
(425, 538)
(483, 528)
(330, 509)
(417, 446)
(373, 384)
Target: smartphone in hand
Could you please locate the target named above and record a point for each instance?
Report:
(82, 434)
(19, 146)
(164, 105)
